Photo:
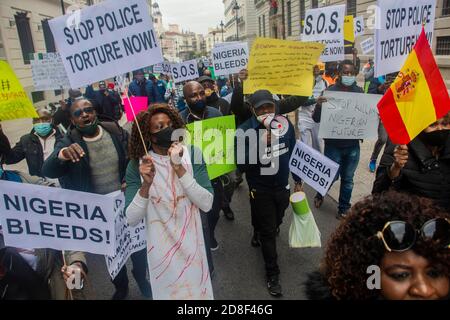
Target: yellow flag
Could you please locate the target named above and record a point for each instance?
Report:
(282, 67)
(14, 102)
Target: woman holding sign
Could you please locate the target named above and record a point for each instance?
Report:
(170, 190)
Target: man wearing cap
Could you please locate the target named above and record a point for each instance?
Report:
(266, 165)
(141, 87)
(159, 89)
(212, 98)
(106, 102)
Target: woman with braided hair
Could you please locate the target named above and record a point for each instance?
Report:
(392, 246)
(169, 187)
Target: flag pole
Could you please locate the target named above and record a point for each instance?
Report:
(135, 121)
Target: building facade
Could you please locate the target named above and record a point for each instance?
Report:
(240, 20)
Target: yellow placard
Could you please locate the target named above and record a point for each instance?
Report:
(14, 102)
(282, 67)
(349, 33)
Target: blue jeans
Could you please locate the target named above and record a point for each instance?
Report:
(348, 159)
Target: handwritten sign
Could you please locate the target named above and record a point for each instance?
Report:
(14, 102)
(282, 67)
(367, 46)
(48, 72)
(349, 116)
(326, 25)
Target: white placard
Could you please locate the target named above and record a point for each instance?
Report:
(358, 26)
(398, 29)
(326, 25)
(128, 239)
(157, 68)
(349, 115)
(367, 46)
(111, 38)
(184, 71)
(166, 68)
(230, 59)
(313, 167)
(48, 72)
(42, 217)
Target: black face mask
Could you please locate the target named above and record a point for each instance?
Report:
(436, 138)
(199, 106)
(212, 98)
(163, 138)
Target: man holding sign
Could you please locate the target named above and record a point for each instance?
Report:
(344, 152)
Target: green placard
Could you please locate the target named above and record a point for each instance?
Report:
(215, 137)
(213, 74)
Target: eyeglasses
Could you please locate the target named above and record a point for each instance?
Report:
(77, 113)
(400, 236)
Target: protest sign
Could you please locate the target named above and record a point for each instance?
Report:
(184, 71)
(112, 37)
(41, 217)
(158, 68)
(313, 167)
(358, 26)
(127, 239)
(230, 59)
(138, 103)
(400, 24)
(282, 67)
(367, 46)
(48, 72)
(215, 137)
(326, 25)
(349, 34)
(14, 102)
(166, 68)
(348, 115)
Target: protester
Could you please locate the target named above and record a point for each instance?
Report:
(269, 192)
(368, 73)
(62, 115)
(344, 152)
(197, 110)
(379, 86)
(170, 189)
(226, 89)
(159, 89)
(35, 146)
(422, 167)
(107, 102)
(93, 158)
(403, 238)
(212, 98)
(331, 73)
(309, 129)
(141, 87)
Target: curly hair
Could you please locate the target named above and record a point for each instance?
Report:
(136, 149)
(354, 245)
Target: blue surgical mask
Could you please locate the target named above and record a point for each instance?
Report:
(43, 129)
(348, 81)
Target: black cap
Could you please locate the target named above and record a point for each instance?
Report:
(205, 78)
(260, 98)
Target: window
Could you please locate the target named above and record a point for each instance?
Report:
(443, 46)
(264, 25)
(302, 14)
(58, 92)
(26, 40)
(48, 37)
(37, 96)
(314, 4)
(259, 26)
(446, 8)
(351, 8)
(289, 18)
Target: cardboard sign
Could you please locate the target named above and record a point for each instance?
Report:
(230, 59)
(326, 25)
(358, 26)
(399, 28)
(110, 38)
(367, 46)
(187, 70)
(48, 72)
(349, 34)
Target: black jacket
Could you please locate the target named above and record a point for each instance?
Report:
(29, 147)
(77, 176)
(423, 175)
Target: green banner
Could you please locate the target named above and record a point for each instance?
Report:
(215, 137)
(213, 73)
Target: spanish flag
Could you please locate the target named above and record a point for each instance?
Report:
(417, 98)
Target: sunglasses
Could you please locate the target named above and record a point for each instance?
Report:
(400, 236)
(79, 112)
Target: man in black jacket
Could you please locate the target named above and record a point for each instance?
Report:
(35, 146)
(212, 98)
(345, 152)
(93, 158)
(422, 167)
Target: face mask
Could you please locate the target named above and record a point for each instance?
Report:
(42, 129)
(213, 97)
(348, 81)
(266, 119)
(89, 130)
(163, 138)
(199, 106)
(436, 138)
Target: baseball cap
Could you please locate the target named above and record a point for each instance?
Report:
(260, 98)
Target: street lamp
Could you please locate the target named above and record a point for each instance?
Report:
(214, 37)
(221, 26)
(236, 10)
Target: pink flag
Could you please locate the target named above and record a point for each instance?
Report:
(139, 104)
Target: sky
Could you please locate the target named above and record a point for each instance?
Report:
(192, 15)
